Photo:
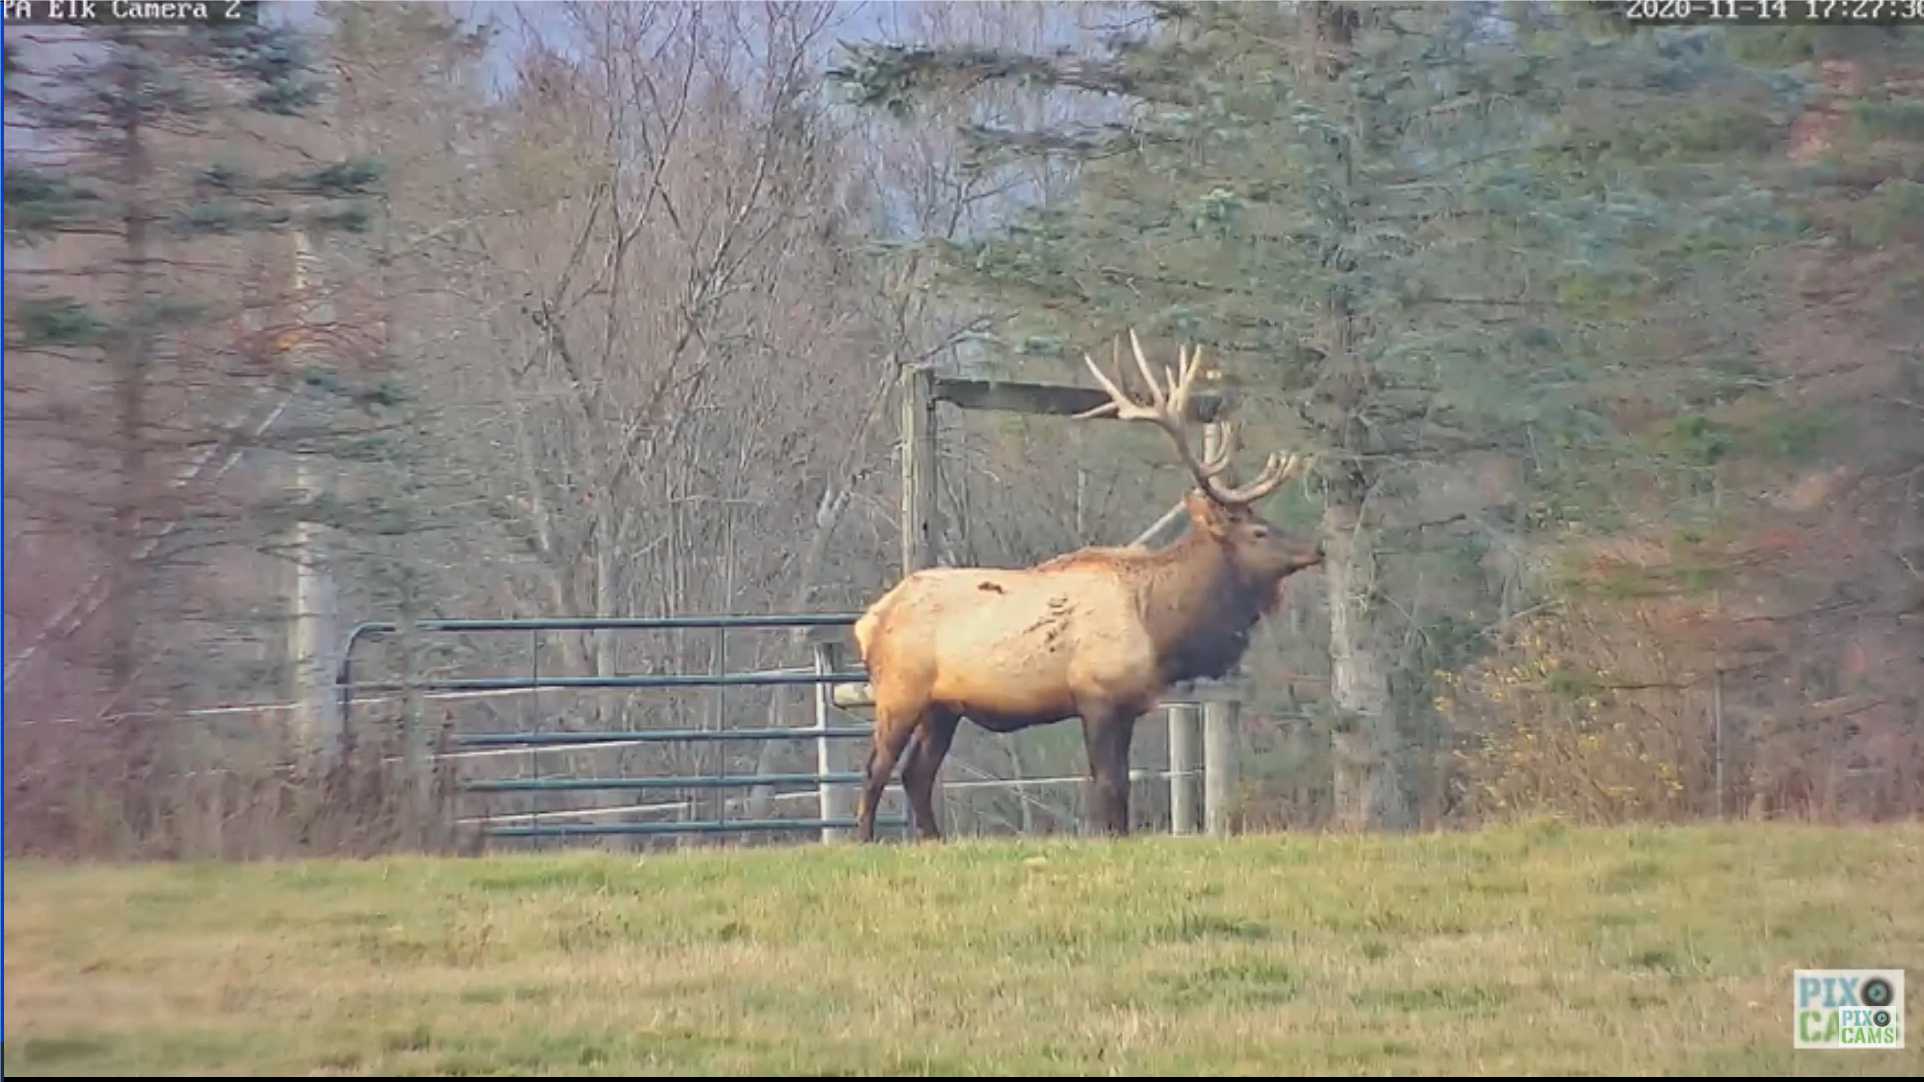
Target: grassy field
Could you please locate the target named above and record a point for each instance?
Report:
(1532, 950)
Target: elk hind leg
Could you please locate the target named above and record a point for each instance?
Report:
(924, 763)
(892, 732)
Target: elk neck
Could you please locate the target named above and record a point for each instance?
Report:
(1199, 609)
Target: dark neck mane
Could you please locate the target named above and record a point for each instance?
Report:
(1199, 607)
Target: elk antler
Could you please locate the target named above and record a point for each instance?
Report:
(1169, 411)
(1279, 469)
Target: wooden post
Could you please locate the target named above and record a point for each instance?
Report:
(1185, 719)
(918, 469)
(1219, 764)
(835, 799)
(1717, 727)
(1717, 667)
(1219, 718)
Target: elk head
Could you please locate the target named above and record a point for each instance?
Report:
(1224, 516)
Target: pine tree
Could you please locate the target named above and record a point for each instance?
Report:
(1417, 232)
(141, 181)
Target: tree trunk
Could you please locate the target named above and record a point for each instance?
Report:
(559, 575)
(1364, 744)
(130, 393)
(828, 513)
(606, 707)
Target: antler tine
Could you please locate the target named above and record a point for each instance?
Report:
(1169, 411)
(1278, 469)
(1120, 404)
(1149, 375)
(1215, 464)
(1188, 363)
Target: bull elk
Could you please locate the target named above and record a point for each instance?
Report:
(1098, 633)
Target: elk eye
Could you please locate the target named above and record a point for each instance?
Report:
(1259, 532)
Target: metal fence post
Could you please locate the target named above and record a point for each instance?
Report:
(1219, 764)
(834, 798)
(1184, 721)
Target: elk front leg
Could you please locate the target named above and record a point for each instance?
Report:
(1107, 733)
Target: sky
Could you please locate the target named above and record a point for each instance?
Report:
(864, 19)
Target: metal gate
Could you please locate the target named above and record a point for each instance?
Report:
(835, 788)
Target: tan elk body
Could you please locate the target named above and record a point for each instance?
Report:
(1098, 633)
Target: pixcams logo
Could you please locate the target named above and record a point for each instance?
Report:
(1849, 1008)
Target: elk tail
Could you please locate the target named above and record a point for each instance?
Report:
(865, 629)
(870, 624)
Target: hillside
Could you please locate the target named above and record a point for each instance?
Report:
(1534, 949)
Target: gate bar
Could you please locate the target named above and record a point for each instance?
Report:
(726, 781)
(615, 623)
(343, 675)
(703, 826)
(692, 680)
(647, 736)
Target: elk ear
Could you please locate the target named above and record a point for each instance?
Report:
(1204, 515)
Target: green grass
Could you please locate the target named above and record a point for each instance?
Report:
(1534, 949)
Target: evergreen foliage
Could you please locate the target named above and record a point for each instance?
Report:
(1477, 190)
(129, 180)
(1409, 232)
(169, 84)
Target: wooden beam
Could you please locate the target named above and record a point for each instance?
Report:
(1054, 399)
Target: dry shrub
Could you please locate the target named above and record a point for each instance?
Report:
(78, 791)
(1587, 714)
(1606, 707)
